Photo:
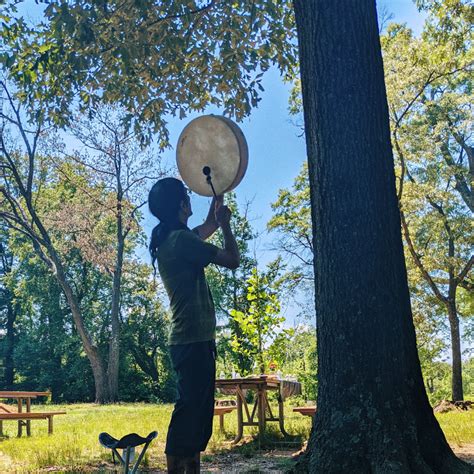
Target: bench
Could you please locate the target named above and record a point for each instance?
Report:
(221, 411)
(306, 411)
(24, 419)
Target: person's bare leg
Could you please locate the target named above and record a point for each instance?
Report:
(175, 464)
(193, 465)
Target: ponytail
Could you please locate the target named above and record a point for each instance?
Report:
(159, 235)
(155, 241)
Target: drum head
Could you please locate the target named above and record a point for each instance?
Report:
(218, 143)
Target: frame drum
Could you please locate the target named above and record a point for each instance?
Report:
(218, 143)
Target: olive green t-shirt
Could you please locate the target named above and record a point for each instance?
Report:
(181, 261)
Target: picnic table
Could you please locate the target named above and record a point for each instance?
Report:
(261, 412)
(24, 417)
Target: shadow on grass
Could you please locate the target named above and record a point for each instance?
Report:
(253, 454)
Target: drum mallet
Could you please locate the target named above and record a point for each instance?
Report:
(207, 172)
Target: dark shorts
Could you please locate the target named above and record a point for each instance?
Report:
(191, 422)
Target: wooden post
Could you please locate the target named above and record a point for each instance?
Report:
(281, 415)
(1, 427)
(221, 423)
(28, 422)
(50, 424)
(261, 411)
(20, 423)
(240, 419)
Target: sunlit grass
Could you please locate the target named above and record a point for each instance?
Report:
(75, 442)
(458, 426)
(74, 446)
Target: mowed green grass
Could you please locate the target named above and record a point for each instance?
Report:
(74, 446)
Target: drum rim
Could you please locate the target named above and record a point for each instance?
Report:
(243, 151)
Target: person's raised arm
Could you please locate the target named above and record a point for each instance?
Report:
(229, 256)
(210, 225)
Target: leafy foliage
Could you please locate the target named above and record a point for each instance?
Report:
(260, 323)
(155, 59)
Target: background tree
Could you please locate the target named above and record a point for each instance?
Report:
(429, 80)
(292, 221)
(366, 338)
(145, 327)
(260, 322)
(119, 164)
(48, 353)
(24, 172)
(428, 85)
(294, 352)
(229, 292)
(8, 308)
(79, 204)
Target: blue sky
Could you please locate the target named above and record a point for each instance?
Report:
(276, 149)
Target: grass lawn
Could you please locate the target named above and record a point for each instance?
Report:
(74, 446)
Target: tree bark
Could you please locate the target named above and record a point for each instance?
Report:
(373, 413)
(456, 380)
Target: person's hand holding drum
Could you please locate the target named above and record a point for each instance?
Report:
(223, 215)
(218, 201)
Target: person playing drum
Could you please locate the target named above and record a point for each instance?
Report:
(182, 254)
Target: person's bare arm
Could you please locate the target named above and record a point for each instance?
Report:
(229, 256)
(210, 225)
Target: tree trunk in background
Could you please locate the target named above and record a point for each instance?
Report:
(373, 413)
(456, 380)
(55, 333)
(10, 342)
(114, 343)
(92, 352)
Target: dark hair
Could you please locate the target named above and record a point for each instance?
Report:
(164, 201)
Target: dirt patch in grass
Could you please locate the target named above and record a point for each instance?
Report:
(271, 461)
(465, 452)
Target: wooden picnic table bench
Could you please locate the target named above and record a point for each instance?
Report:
(221, 411)
(307, 411)
(24, 418)
(223, 407)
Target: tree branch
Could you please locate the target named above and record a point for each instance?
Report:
(417, 260)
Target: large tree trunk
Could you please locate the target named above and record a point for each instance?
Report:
(457, 390)
(373, 413)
